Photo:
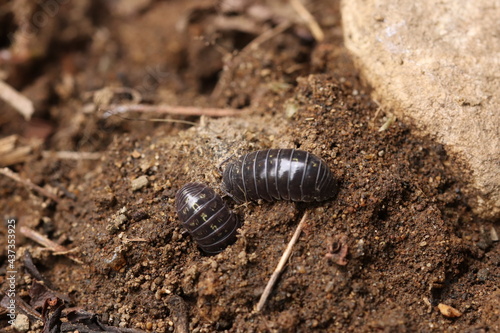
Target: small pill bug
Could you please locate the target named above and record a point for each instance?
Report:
(206, 217)
(279, 174)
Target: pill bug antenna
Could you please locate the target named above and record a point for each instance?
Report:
(223, 187)
(219, 167)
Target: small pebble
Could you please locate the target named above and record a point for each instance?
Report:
(301, 269)
(139, 183)
(22, 323)
(483, 274)
(359, 249)
(493, 234)
(120, 220)
(290, 110)
(484, 244)
(136, 154)
(448, 311)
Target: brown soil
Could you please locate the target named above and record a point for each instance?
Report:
(403, 205)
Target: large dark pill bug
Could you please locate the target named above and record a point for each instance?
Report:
(279, 174)
(206, 217)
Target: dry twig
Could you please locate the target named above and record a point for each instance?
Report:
(71, 155)
(265, 36)
(280, 266)
(173, 110)
(42, 240)
(18, 101)
(49, 244)
(311, 22)
(253, 45)
(28, 183)
(134, 240)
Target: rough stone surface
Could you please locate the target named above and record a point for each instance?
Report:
(22, 323)
(437, 64)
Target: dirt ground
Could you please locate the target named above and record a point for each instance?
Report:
(402, 211)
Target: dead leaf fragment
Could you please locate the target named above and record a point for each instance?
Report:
(449, 311)
(337, 250)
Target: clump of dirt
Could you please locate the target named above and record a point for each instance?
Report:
(401, 212)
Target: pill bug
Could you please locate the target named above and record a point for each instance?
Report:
(206, 217)
(279, 174)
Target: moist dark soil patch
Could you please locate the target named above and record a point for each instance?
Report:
(402, 208)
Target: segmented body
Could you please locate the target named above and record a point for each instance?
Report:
(206, 217)
(279, 174)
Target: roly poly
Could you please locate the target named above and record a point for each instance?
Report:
(206, 217)
(279, 174)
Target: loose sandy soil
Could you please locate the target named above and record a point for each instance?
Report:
(402, 209)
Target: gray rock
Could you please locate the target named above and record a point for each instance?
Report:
(436, 64)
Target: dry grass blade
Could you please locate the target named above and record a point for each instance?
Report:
(265, 36)
(280, 266)
(311, 22)
(18, 101)
(253, 45)
(390, 120)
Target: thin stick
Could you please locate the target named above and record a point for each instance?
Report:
(67, 253)
(280, 266)
(309, 19)
(265, 36)
(252, 46)
(42, 240)
(26, 182)
(71, 155)
(26, 309)
(49, 244)
(130, 240)
(175, 121)
(375, 116)
(175, 110)
(18, 101)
